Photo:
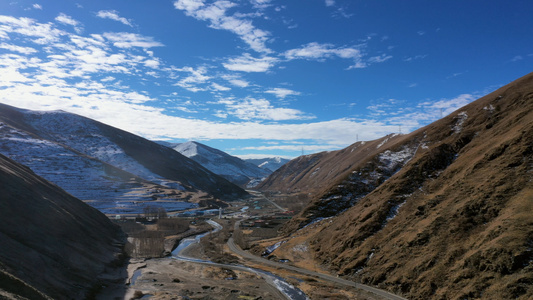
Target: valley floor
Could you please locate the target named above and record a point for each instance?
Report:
(169, 278)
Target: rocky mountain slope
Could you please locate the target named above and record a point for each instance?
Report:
(271, 164)
(94, 161)
(230, 167)
(53, 245)
(310, 175)
(441, 213)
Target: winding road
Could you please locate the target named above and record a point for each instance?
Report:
(237, 250)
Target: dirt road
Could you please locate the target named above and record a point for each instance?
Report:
(237, 250)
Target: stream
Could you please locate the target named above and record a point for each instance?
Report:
(279, 283)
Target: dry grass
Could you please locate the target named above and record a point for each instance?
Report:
(465, 228)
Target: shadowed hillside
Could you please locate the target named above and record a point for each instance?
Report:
(52, 244)
(453, 222)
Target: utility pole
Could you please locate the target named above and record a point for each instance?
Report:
(400, 126)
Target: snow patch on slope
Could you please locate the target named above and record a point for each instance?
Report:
(460, 119)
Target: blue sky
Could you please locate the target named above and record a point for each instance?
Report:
(261, 78)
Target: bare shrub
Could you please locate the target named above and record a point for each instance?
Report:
(173, 225)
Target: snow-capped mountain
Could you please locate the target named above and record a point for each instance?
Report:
(107, 167)
(230, 167)
(268, 163)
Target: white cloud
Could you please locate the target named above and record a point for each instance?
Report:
(113, 15)
(416, 57)
(37, 6)
(219, 87)
(189, 5)
(293, 147)
(153, 63)
(282, 92)
(43, 33)
(236, 81)
(330, 2)
(20, 49)
(65, 19)
(196, 77)
(215, 14)
(108, 78)
(128, 40)
(260, 4)
(316, 51)
(379, 58)
(68, 20)
(321, 52)
(261, 109)
(395, 112)
(247, 63)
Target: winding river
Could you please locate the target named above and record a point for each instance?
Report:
(279, 283)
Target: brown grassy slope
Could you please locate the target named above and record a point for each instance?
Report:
(50, 240)
(311, 174)
(457, 221)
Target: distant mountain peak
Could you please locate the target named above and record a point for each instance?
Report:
(230, 167)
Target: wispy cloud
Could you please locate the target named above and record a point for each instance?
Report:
(235, 80)
(19, 49)
(37, 6)
(282, 92)
(316, 51)
(416, 57)
(113, 15)
(67, 20)
(216, 14)
(128, 40)
(247, 63)
(219, 87)
(194, 81)
(321, 52)
(394, 111)
(261, 4)
(330, 2)
(261, 109)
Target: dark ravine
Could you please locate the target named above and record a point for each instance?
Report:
(53, 245)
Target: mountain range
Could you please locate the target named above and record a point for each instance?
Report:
(269, 163)
(104, 165)
(230, 167)
(444, 212)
